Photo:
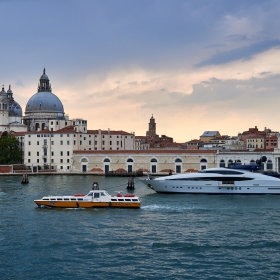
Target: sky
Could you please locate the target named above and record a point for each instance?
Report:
(195, 65)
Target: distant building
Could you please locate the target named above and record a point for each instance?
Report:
(208, 135)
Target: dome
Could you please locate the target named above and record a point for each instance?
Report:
(15, 109)
(44, 77)
(44, 102)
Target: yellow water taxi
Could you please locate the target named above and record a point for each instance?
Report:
(95, 198)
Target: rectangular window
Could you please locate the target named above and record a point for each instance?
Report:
(89, 142)
(74, 142)
(61, 160)
(61, 153)
(117, 142)
(52, 160)
(29, 160)
(68, 135)
(61, 142)
(68, 153)
(29, 154)
(61, 135)
(110, 142)
(80, 142)
(68, 142)
(103, 142)
(95, 142)
(38, 143)
(52, 153)
(29, 142)
(37, 154)
(37, 160)
(84, 138)
(68, 160)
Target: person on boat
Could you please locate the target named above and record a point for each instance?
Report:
(170, 172)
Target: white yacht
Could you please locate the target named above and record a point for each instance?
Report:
(216, 181)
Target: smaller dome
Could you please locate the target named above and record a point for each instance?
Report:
(44, 77)
(3, 92)
(15, 109)
(59, 116)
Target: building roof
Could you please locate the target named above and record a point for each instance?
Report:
(209, 133)
(150, 152)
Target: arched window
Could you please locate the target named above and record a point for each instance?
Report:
(178, 160)
(84, 160)
(203, 160)
(130, 160)
(238, 162)
(153, 160)
(230, 162)
(107, 160)
(43, 126)
(222, 163)
(37, 126)
(252, 162)
(269, 165)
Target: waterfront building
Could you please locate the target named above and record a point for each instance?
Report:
(154, 161)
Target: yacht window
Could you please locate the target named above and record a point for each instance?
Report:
(133, 199)
(53, 199)
(113, 199)
(127, 199)
(96, 195)
(120, 199)
(103, 194)
(90, 194)
(45, 199)
(66, 198)
(59, 199)
(73, 199)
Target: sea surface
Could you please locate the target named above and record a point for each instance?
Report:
(171, 236)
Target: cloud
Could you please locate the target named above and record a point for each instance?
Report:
(243, 53)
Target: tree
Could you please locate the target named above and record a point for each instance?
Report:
(9, 149)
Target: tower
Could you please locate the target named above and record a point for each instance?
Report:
(4, 110)
(152, 128)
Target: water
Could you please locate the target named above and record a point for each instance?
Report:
(170, 237)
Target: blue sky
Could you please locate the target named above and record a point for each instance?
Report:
(195, 65)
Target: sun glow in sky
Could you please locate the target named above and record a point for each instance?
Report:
(196, 65)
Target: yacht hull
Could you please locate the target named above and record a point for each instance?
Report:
(214, 187)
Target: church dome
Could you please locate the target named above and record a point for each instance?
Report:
(44, 101)
(15, 109)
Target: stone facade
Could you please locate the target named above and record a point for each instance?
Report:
(155, 161)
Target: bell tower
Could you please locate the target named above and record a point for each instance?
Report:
(152, 127)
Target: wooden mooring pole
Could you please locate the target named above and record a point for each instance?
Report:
(130, 183)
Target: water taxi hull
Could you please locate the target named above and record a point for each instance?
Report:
(85, 204)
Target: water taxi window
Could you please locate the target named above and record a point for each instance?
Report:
(113, 199)
(96, 195)
(45, 199)
(53, 199)
(59, 199)
(103, 194)
(80, 199)
(127, 199)
(133, 199)
(73, 199)
(90, 194)
(66, 198)
(120, 199)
